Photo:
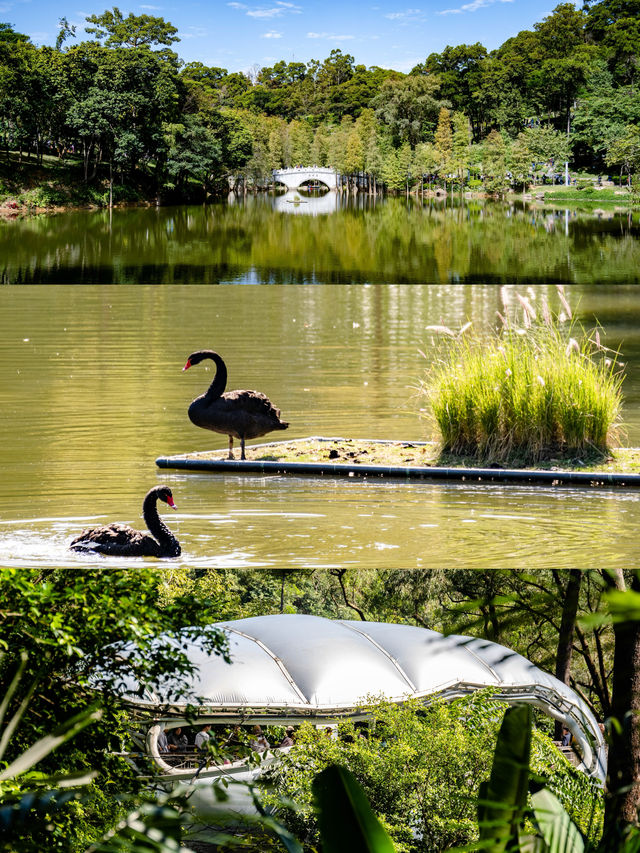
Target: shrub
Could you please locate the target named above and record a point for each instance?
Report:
(419, 767)
(528, 392)
(43, 196)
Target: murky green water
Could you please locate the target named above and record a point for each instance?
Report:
(292, 239)
(91, 392)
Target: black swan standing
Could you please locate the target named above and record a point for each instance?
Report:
(120, 540)
(243, 414)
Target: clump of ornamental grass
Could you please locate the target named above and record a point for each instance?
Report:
(537, 388)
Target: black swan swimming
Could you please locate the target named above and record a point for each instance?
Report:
(120, 540)
(243, 414)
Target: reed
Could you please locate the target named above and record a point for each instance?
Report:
(537, 387)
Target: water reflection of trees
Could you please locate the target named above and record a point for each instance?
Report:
(366, 239)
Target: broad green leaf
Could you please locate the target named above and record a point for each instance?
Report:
(559, 832)
(503, 798)
(12, 687)
(345, 818)
(288, 841)
(47, 744)
(15, 719)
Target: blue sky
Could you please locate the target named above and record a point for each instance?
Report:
(240, 34)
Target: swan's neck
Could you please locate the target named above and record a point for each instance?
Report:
(157, 527)
(216, 389)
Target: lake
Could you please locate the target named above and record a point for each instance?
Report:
(297, 239)
(93, 391)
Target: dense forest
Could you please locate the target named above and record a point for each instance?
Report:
(62, 671)
(123, 112)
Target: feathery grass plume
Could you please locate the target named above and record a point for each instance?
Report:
(563, 299)
(525, 394)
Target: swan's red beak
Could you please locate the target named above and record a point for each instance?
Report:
(170, 502)
(187, 365)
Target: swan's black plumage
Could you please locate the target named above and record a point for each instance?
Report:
(120, 540)
(239, 414)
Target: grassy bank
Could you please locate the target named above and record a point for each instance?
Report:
(588, 195)
(26, 185)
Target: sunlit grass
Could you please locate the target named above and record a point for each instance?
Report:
(536, 388)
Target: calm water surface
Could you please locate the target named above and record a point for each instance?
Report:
(293, 239)
(92, 391)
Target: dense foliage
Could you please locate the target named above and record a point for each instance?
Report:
(420, 769)
(69, 627)
(141, 121)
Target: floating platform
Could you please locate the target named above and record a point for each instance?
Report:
(216, 461)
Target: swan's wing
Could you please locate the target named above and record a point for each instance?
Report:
(252, 402)
(112, 539)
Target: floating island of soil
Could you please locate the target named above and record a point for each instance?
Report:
(356, 452)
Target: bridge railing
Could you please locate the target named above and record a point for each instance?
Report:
(293, 170)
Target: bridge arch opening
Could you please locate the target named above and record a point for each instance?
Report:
(315, 184)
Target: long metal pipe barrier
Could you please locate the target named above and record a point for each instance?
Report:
(470, 475)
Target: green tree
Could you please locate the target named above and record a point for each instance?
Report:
(603, 111)
(460, 145)
(9, 36)
(459, 71)
(337, 144)
(408, 107)
(373, 158)
(520, 161)
(320, 146)
(614, 24)
(392, 173)
(276, 146)
(425, 161)
(299, 138)
(354, 154)
(443, 144)
(129, 94)
(193, 152)
(625, 151)
(549, 148)
(133, 31)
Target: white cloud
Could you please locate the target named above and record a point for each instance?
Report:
(329, 36)
(272, 34)
(153, 8)
(274, 12)
(279, 8)
(409, 15)
(472, 7)
(39, 37)
(194, 33)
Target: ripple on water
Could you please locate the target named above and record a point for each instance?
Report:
(324, 524)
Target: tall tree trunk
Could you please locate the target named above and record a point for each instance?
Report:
(567, 630)
(623, 776)
(340, 573)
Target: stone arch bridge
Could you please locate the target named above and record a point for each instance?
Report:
(294, 177)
